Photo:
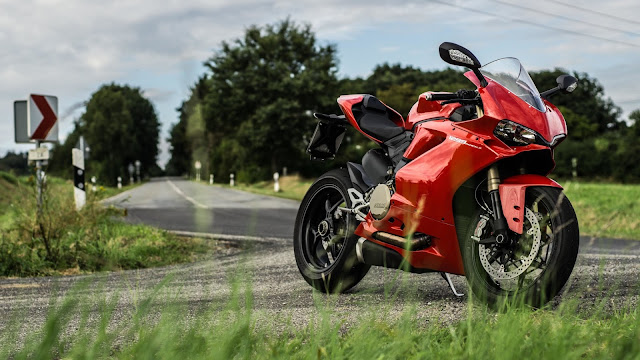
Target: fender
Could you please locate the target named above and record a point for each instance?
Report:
(512, 194)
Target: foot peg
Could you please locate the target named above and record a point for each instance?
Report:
(447, 278)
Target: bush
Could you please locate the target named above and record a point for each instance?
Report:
(93, 239)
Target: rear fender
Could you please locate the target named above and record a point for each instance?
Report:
(512, 196)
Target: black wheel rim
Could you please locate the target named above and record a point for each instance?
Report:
(323, 232)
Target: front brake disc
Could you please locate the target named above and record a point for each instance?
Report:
(498, 271)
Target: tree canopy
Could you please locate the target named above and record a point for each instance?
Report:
(120, 126)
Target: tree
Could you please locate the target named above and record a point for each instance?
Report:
(264, 87)
(179, 163)
(121, 126)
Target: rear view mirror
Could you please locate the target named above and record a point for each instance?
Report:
(455, 54)
(567, 83)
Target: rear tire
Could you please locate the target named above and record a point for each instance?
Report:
(327, 266)
(552, 265)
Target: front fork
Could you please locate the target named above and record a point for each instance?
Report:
(500, 226)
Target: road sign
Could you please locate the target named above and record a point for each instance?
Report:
(20, 127)
(39, 154)
(42, 114)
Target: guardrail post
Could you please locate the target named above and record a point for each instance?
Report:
(79, 194)
(276, 184)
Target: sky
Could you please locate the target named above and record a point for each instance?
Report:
(70, 48)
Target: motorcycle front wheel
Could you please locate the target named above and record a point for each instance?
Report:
(531, 267)
(323, 239)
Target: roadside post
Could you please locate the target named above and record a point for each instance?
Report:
(198, 166)
(119, 182)
(210, 179)
(284, 171)
(93, 184)
(574, 166)
(232, 181)
(138, 170)
(130, 168)
(35, 121)
(276, 184)
(79, 193)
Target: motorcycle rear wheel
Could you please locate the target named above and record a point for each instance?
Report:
(551, 247)
(324, 246)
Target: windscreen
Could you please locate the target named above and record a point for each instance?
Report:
(509, 73)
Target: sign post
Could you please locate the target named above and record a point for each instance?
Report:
(35, 121)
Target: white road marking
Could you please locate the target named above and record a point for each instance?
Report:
(188, 198)
(228, 237)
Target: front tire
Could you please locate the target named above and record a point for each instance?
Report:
(323, 245)
(546, 253)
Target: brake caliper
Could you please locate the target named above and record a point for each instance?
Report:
(482, 223)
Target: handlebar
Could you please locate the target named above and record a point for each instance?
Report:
(441, 96)
(453, 97)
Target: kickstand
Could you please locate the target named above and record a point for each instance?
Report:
(447, 278)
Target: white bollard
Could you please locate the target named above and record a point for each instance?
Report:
(232, 181)
(276, 184)
(79, 194)
(119, 182)
(93, 184)
(210, 179)
(284, 171)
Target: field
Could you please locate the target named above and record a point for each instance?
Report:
(603, 209)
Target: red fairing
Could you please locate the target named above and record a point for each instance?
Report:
(435, 175)
(500, 103)
(512, 195)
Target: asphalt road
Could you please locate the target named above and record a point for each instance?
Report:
(606, 269)
(177, 204)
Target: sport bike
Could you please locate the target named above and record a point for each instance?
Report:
(459, 187)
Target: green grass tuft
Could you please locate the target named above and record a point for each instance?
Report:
(231, 328)
(66, 241)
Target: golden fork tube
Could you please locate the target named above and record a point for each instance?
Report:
(493, 178)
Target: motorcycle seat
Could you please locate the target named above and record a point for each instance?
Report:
(375, 119)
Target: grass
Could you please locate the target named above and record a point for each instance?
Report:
(291, 187)
(604, 210)
(231, 328)
(66, 241)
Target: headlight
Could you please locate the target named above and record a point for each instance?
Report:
(515, 134)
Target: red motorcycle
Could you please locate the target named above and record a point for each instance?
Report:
(459, 187)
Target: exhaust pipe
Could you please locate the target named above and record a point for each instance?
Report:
(419, 241)
(371, 253)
